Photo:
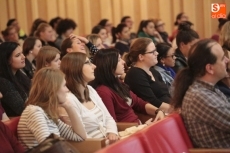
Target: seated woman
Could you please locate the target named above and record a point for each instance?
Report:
(97, 121)
(96, 40)
(15, 85)
(160, 28)
(48, 57)
(40, 117)
(121, 38)
(101, 31)
(77, 44)
(46, 34)
(119, 100)
(142, 78)
(8, 142)
(31, 47)
(147, 30)
(166, 60)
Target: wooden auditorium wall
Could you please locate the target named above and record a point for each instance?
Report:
(87, 13)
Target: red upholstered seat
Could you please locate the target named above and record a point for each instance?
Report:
(13, 124)
(168, 135)
(132, 144)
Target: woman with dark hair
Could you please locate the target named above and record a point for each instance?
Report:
(101, 31)
(185, 38)
(179, 19)
(166, 60)
(77, 44)
(35, 25)
(142, 78)
(121, 38)
(117, 97)
(79, 71)
(15, 85)
(64, 28)
(31, 47)
(147, 29)
(105, 23)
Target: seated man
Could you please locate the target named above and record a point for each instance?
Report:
(204, 108)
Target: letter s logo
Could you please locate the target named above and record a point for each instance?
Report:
(215, 7)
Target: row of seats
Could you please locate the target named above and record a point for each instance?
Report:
(166, 136)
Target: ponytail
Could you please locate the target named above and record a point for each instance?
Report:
(181, 84)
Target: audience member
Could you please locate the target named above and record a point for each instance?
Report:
(46, 34)
(147, 29)
(13, 22)
(101, 31)
(121, 38)
(96, 40)
(48, 57)
(35, 25)
(204, 108)
(160, 27)
(127, 20)
(185, 38)
(166, 60)
(40, 117)
(15, 85)
(31, 47)
(79, 71)
(64, 28)
(181, 17)
(108, 27)
(119, 100)
(216, 36)
(142, 78)
(10, 34)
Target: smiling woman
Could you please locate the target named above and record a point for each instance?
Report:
(14, 84)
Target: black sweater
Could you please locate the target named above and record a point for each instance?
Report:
(144, 87)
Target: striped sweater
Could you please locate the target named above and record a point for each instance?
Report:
(35, 126)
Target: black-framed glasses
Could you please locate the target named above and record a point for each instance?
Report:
(173, 55)
(151, 52)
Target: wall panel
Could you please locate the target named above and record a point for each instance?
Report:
(87, 13)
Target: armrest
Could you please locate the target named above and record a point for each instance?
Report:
(121, 126)
(90, 145)
(144, 117)
(209, 150)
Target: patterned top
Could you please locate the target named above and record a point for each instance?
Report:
(35, 126)
(206, 114)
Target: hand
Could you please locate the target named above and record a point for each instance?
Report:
(160, 116)
(149, 121)
(82, 39)
(112, 137)
(156, 33)
(1, 95)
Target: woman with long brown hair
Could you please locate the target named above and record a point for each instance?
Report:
(97, 120)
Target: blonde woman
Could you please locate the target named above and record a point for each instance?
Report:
(48, 57)
(40, 117)
(96, 40)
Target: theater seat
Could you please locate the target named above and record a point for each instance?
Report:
(133, 144)
(168, 135)
(13, 124)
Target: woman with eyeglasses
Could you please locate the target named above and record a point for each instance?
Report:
(142, 78)
(166, 60)
(79, 71)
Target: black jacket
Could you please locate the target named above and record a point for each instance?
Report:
(180, 62)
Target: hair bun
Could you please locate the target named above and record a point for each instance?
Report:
(186, 25)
